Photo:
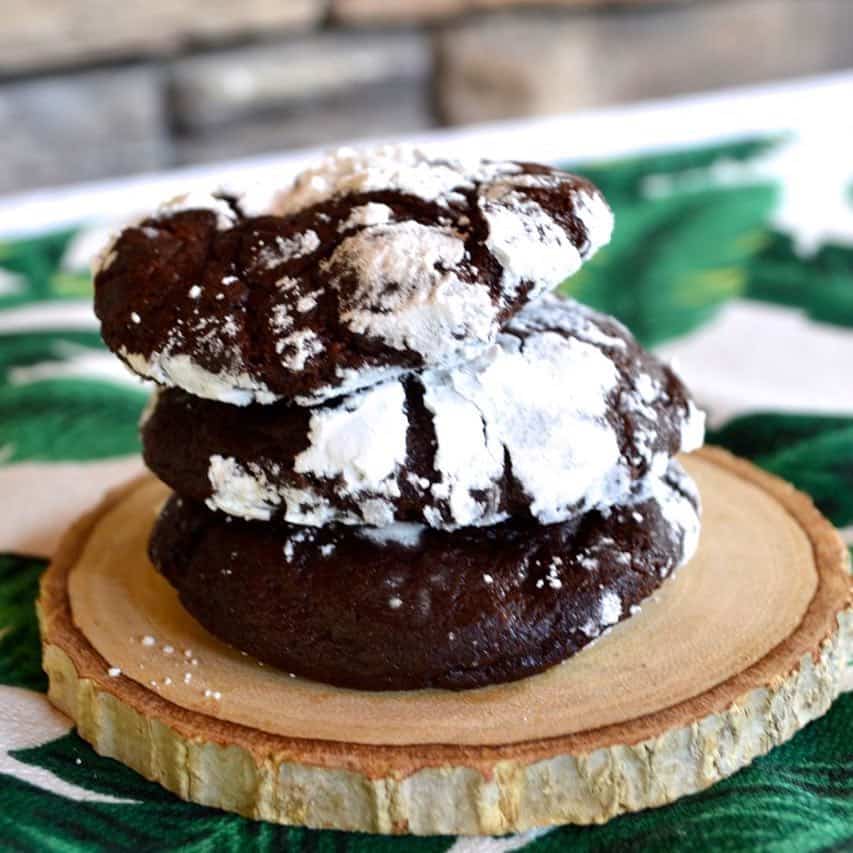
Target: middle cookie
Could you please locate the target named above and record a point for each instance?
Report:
(564, 415)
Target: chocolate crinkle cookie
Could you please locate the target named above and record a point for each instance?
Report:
(565, 414)
(368, 267)
(399, 460)
(407, 606)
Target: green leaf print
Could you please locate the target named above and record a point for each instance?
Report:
(53, 404)
(673, 260)
(813, 452)
(683, 237)
(20, 653)
(26, 349)
(821, 284)
(69, 419)
(36, 260)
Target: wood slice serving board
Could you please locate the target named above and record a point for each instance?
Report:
(747, 644)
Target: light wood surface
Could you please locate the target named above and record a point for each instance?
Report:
(738, 651)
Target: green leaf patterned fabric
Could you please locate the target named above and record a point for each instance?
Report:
(822, 285)
(696, 240)
(814, 453)
(20, 664)
(37, 264)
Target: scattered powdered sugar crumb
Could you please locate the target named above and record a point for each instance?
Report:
(553, 576)
(306, 302)
(135, 318)
(395, 602)
(212, 694)
(403, 533)
(194, 292)
(148, 640)
(488, 579)
(298, 347)
(114, 672)
(328, 549)
(610, 608)
(417, 481)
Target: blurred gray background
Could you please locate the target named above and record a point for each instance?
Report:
(92, 89)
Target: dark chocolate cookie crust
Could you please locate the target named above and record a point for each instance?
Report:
(186, 297)
(460, 610)
(182, 433)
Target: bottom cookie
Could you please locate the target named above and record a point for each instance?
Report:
(410, 607)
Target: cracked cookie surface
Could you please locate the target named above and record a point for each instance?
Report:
(565, 414)
(368, 267)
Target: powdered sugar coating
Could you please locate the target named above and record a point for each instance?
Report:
(408, 294)
(233, 386)
(372, 213)
(397, 168)
(226, 216)
(362, 445)
(529, 242)
(372, 265)
(563, 451)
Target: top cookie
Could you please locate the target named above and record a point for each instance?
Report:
(369, 266)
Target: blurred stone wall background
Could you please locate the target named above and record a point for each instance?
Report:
(91, 88)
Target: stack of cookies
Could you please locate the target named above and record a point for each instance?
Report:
(398, 460)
